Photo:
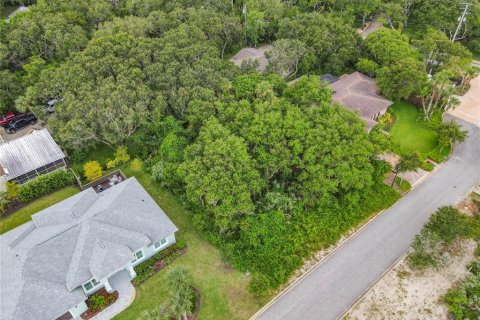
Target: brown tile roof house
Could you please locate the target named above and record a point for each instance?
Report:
(359, 92)
(254, 54)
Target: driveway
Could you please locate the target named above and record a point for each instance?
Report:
(469, 108)
(333, 286)
(5, 137)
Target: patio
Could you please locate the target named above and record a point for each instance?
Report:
(106, 181)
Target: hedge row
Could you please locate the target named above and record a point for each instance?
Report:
(45, 184)
(147, 268)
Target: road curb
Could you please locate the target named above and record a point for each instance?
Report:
(351, 237)
(396, 263)
(324, 259)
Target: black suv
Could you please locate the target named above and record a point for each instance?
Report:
(18, 124)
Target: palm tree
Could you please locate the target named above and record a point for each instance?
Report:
(180, 285)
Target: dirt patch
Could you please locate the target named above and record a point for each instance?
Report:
(470, 206)
(407, 294)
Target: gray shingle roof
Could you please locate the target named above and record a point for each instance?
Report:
(28, 153)
(87, 235)
(257, 54)
(359, 92)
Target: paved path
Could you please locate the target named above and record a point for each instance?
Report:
(333, 286)
(126, 294)
(373, 26)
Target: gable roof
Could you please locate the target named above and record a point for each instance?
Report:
(87, 235)
(359, 92)
(257, 54)
(28, 153)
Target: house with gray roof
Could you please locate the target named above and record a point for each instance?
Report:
(360, 93)
(70, 250)
(254, 54)
(29, 156)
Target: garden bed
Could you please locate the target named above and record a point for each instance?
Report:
(149, 267)
(98, 302)
(196, 303)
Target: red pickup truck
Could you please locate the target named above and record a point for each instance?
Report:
(9, 117)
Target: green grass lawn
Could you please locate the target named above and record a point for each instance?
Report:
(408, 133)
(23, 215)
(223, 290)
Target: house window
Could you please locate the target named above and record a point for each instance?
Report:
(160, 243)
(88, 286)
(138, 255)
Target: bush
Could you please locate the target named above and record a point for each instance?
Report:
(92, 170)
(13, 190)
(121, 157)
(259, 284)
(45, 184)
(448, 223)
(136, 164)
(464, 302)
(146, 269)
(427, 250)
(98, 302)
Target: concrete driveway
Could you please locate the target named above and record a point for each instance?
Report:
(469, 108)
(333, 286)
(5, 137)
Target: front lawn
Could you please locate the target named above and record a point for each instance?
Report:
(23, 215)
(408, 133)
(223, 290)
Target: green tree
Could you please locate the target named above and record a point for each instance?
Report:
(220, 179)
(401, 79)
(450, 132)
(333, 44)
(408, 162)
(285, 57)
(387, 46)
(367, 66)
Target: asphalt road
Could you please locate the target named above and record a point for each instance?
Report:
(333, 286)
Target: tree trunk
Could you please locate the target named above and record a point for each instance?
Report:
(394, 178)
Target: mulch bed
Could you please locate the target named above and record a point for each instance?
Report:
(110, 298)
(160, 264)
(194, 315)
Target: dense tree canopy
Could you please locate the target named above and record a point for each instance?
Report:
(270, 171)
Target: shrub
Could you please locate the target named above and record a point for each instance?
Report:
(386, 118)
(45, 184)
(448, 224)
(427, 250)
(136, 164)
(463, 302)
(98, 302)
(121, 157)
(4, 202)
(13, 190)
(92, 170)
(259, 284)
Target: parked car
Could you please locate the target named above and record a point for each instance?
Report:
(21, 123)
(49, 107)
(9, 117)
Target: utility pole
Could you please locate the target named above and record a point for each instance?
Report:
(461, 20)
(244, 12)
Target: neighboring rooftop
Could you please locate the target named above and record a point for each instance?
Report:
(28, 153)
(45, 261)
(257, 54)
(360, 93)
